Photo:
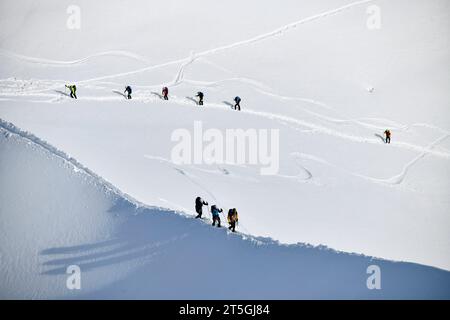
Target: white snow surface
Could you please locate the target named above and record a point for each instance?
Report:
(311, 69)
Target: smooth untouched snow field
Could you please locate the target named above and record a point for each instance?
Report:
(311, 69)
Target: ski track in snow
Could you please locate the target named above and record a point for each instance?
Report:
(179, 77)
(185, 62)
(399, 178)
(193, 56)
(264, 89)
(192, 178)
(284, 119)
(259, 87)
(310, 157)
(394, 180)
(59, 63)
(315, 128)
(335, 133)
(360, 122)
(274, 33)
(9, 129)
(222, 171)
(251, 82)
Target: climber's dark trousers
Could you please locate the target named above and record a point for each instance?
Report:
(199, 212)
(216, 218)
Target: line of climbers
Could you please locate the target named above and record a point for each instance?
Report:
(232, 216)
(200, 95)
(164, 94)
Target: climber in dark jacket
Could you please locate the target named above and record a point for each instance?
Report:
(200, 98)
(128, 92)
(165, 93)
(237, 105)
(387, 133)
(199, 202)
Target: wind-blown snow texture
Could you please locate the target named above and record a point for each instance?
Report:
(311, 69)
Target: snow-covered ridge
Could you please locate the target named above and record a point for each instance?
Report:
(9, 128)
(127, 250)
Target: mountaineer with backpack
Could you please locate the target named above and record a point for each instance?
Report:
(128, 92)
(199, 202)
(215, 215)
(200, 98)
(237, 105)
(387, 133)
(165, 93)
(232, 219)
(73, 91)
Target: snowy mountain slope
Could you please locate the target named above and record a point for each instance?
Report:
(55, 213)
(357, 206)
(338, 184)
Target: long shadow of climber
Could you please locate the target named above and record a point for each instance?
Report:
(122, 94)
(228, 104)
(192, 99)
(380, 136)
(157, 94)
(63, 93)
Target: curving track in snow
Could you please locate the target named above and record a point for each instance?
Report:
(188, 60)
(60, 63)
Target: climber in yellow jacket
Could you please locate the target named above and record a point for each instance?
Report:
(73, 90)
(232, 219)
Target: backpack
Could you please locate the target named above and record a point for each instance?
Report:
(232, 215)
